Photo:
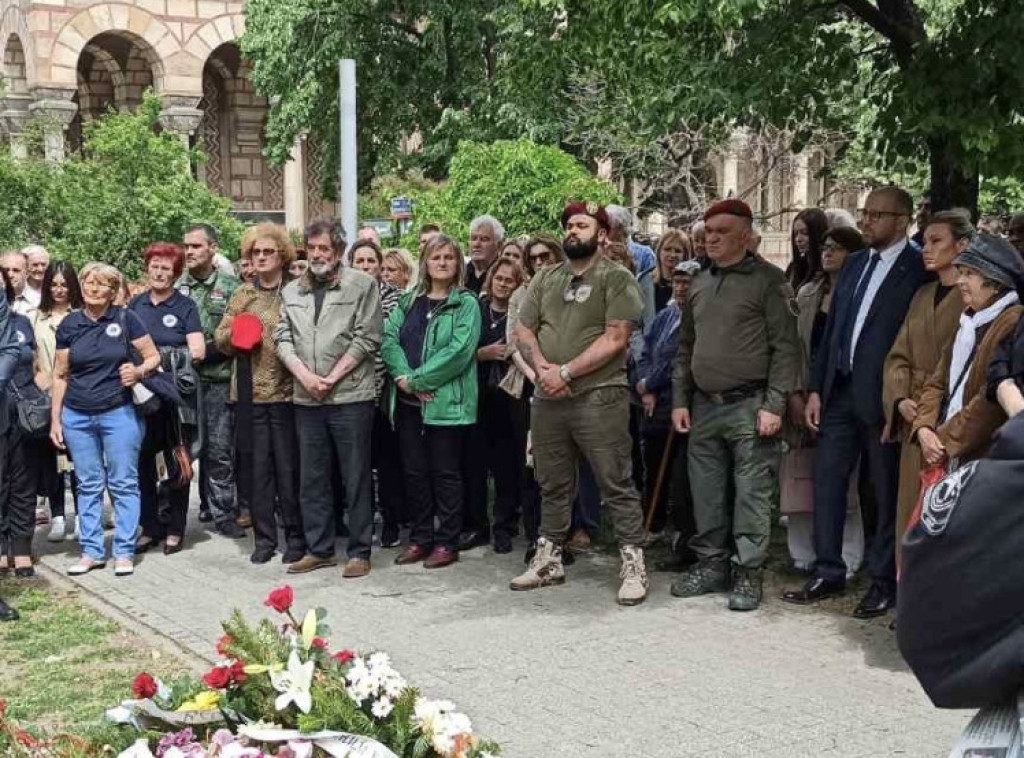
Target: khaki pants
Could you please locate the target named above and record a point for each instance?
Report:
(594, 425)
(724, 443)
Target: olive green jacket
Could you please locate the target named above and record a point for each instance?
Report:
(211, 296)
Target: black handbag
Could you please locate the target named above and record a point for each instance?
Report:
(153, 391)
(33, 412)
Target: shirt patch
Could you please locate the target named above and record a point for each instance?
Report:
(942, 498)
(217, 296)
(21, 338)
(185, 290)
(113, 330)
(170, 320)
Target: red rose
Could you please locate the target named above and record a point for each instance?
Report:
(217, 678)
(280, 599)
(237, 672)
(222, 644)
(144, 686)
(344, 656)
(319, 642)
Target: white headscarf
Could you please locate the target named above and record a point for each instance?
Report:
(963, 347)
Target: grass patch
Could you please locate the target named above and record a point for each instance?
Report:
(63, 664)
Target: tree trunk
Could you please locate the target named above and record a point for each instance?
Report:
(952, 186)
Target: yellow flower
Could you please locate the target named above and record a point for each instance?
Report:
(204, 701)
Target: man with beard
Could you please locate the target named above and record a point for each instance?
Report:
(328, 336)
(738, 358)
(485, 237)
(574, 330)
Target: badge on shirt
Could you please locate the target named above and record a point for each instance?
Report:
(185, 290)
(113, 330)
(583, 293)
(170, 321)
(21, 338)
(942, 498)
(217, 296)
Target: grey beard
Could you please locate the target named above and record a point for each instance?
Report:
(323, 271)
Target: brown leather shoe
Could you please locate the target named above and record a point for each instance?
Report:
(355, 568)
(311, 563)
(412, 554)
(244, 520)
(441, 557)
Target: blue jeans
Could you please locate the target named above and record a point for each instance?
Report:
(105, 448)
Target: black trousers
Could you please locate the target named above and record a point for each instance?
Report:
(498, 449)
(275, 477)
(389, 495)
(17, 497)
(674, 504)
(158, 523)
(42, 462)
(432, 464)
(344, 430)
(844, 438)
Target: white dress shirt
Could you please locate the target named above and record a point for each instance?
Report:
(23, 304)
(886, 260)
(32, 295)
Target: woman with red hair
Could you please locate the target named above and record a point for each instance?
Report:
(172, 320)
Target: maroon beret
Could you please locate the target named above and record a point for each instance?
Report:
(730, 207)
(246, 331)
(592, 209)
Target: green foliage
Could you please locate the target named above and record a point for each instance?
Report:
(524, 185)
(1001, 196)
(131, 187)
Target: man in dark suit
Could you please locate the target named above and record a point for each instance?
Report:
(845, 405)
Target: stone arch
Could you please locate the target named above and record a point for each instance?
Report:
(118, 19)
(218, 31)
(13, 27)
(15, 63)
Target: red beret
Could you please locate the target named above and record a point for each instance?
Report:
(730, 207)
(246, 331)
(595, 211)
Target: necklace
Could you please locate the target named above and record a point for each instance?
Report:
(496, 318)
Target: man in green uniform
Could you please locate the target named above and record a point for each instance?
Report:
(211, 289)
(574, 331)
(738, 359)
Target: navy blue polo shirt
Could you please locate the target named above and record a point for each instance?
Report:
(96, 351)
(167, 322)
(24, 370)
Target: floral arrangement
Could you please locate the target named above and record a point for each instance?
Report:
(281, 692)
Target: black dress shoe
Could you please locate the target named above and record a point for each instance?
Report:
(815, 590)
(24, 572)
(145, 544)
(261, 555)
(470, 540)
(205, 516)
(231, 530)
(7, 613)
(172, 549)
(293, 555)
(502, 544)
(877, 602)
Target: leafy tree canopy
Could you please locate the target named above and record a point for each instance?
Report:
(131, 187)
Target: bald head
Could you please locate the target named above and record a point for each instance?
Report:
(15, 265)
(885, 217)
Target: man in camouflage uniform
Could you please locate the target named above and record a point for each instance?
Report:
(738, 359)
(211, 289)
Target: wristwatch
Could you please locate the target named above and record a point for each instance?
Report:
(565, 374)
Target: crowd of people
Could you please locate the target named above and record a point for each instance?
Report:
(694, 390)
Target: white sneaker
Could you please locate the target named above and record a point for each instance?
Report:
(545, 568)
(70, 529)
(633, 574)
(57, 529)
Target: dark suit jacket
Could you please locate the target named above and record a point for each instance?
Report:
(888, 311)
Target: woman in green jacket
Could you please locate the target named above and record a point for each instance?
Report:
(429, 350)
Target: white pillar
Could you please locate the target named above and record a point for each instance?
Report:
(56, 115)
(295, 188)
(182, 121)
(800, 178)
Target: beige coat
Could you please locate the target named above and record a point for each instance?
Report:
(968, 434)
(44, 325)
(926, 335)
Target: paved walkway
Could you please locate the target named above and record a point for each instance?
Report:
(565, 672)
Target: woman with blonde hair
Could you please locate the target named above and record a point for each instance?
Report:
(429, 348)
(93, 415)
(674, 247)
(261, 388)
(398, 268)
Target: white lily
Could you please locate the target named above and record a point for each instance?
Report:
(293, 683)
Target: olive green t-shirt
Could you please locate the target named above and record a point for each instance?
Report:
(568, 313)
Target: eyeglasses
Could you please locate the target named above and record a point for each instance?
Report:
(872, 215)
(267, 252)
(540, 258)
(91, 285)
(832, 246)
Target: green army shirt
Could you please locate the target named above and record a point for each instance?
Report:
(211, 296)
(738, 328)
(568, 312)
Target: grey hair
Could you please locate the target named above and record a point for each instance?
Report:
(840, 217)
(31, 250)
(489, 221)
(9, 253)
(620, 216)
(697, 228)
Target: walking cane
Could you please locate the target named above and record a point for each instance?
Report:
(666, 456)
